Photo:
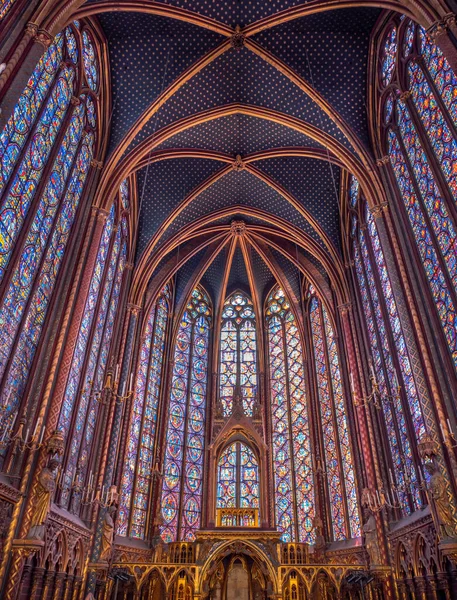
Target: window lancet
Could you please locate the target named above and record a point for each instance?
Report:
(184, 452)
(237, 477)
(238, 355)
(48, 143)
(421, 139)
(334, 426)
(292, 461)
(136, 479)
(391, 366)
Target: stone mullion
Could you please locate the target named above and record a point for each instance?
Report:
(321, 497)
(387, 234)
(207, 481)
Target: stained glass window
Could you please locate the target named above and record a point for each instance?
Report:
(292, 460)
(46, 146)
(136, 479)
(90, 60)
(238, 355)
(333, 426)
(389, 56)
(5, 6)
(423, 155)
(87, 371)
(237, 477)
(183, 464)
(383, 324)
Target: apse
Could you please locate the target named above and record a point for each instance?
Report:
(228, 274)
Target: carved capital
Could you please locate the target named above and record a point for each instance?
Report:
(97, 164)
(129, 266)
(349, 264)
(134, 309)
(238, 227)
(100, 214)
(75, 101)
(441, 27)
(377, 210)
(238, 39)
(44, 38)
(345, 308)
(31, 29)
(238, 164)
(382, 162)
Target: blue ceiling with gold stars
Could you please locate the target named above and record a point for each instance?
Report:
(288, 97)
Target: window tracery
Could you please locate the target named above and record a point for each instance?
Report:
(136, 480)
(48, 143)
(185, 437)
(421, 139)
(237, 477)
(238, 354)
(291, 444)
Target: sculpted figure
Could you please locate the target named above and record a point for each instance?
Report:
(107, 534)
(371, 538)
(439, 497)
(43, 499)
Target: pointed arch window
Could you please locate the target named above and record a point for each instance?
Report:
(391, 364)
(237, 477)
(420, 137)
(136, 479)
(89, 362)
(46, 150)
(183, 463)
(292, 461)
(238, 354)
(334, 426)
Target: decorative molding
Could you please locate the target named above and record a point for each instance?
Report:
(405, 95)
(238, 164)
(9, 493)
(96, 164)
(382, 162)
(378, 209)
(442, 26)
(238, 227)
(238, 39)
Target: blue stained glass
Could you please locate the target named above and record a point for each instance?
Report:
(90, 61)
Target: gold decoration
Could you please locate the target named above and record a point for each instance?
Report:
(43, 498)
(56, 443)
(441, 509)
(107, 534)
(427, 447)
(238, 39)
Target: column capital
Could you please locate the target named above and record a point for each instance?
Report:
(345, 308)
(100, 214)
(378, 210)
(383, 161)
(134, 308)
(97, 164)
(441, 27)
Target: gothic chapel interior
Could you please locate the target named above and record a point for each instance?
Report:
(228, 299)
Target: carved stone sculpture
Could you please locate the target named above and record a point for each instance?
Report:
(441, 505)
(43, 499)
(371, 538)
(107, 534)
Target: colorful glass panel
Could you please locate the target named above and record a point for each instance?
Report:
(125, 194)
(227, 478)
(20, 124)
(5, 6)
(438, 284)
(237, 478)
(22, 190)
(30, 334)
(329, 433)
(90, 61)
(82, 341)
(183, 463)
(353, 191)
(294, 487)
(389, 56)
(409, 38)
(441, 73)
(238, 354)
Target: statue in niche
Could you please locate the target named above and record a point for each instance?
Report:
(371, 538)
(441, 505)
(43, 498)
(107, 534)
(319, 544)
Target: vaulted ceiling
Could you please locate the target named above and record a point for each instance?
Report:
(237, 111)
